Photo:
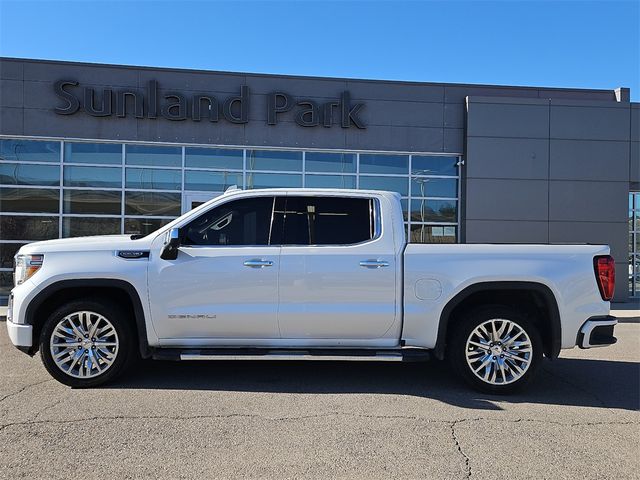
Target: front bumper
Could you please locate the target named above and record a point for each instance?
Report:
(20, 335)
(597, 332)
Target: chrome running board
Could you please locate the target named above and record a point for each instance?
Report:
(394, 357)
(280, 354)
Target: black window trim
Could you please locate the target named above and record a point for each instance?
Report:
(376, 215)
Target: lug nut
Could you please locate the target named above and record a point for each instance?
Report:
(494, 357)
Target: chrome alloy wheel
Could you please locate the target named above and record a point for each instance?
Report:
(84, 344)
(499, 351)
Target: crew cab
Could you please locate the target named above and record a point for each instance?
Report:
(306, 274)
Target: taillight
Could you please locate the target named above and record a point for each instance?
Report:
(605, 269)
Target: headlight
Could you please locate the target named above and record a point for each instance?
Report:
(26, 266)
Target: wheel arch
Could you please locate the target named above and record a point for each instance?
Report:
(59, 292)
(471, 296)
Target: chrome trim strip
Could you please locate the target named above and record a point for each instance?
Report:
(294, 356)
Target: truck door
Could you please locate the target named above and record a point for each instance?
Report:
(224, 283)
(337, 271)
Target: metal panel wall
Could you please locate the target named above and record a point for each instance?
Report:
(550, 170)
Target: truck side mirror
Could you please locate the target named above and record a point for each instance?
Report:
(171, 245)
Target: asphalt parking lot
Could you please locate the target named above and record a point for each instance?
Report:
(580, 419)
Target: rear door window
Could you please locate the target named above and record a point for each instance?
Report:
(327, 220)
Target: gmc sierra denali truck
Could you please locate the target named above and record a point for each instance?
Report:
(305, 274)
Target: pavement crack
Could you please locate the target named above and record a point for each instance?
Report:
(467, 464)
(49, 407)
(179, 418)
(17, 392)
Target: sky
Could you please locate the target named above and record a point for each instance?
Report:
(575, 44)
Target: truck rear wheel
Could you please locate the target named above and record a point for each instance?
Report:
(495, 349)
(86, 343)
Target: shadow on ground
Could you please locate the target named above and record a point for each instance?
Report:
(577, 382)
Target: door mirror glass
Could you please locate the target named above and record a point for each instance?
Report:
(171, 245)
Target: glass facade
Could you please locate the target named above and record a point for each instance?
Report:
(634, 244)
(58, 188)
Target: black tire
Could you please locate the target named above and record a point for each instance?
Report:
(457, 348)
(125, 335)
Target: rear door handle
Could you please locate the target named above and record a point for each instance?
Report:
(374, 263)
(258, 263)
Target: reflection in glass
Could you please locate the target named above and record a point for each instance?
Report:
(7, 252)
(405, 209)
(153, 179)
(211, 181)
(153, 203)
(102, 153)
(29, 151)
(143, 226)
(330, 162)
(330, 181)
(432, 234)
(434, 211)
(152, 155)
(29, 174)
(274, 160)
(92, 202)
(391, 184)
(86, 226)
(434, 165)
(390, 164)
(434, 187)
(273, 180)
(31, 200)
(14, 227)
(637, 275)
(101, 177)
(213, 158)
(6, 284)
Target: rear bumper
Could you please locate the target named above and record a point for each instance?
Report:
(597, 332)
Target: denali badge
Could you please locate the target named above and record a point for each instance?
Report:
(194, 317)
(132, 254)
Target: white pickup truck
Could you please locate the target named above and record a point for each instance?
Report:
(305, 274)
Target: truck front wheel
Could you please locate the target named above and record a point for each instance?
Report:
(86, 343)
(495, 349)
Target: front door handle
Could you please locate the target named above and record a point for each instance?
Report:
(258, 263)
(374, 263)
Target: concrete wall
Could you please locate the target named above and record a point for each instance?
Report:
(550, 171)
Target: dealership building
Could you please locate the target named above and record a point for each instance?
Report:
(91, 149)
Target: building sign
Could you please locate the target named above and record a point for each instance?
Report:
(202, 107)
